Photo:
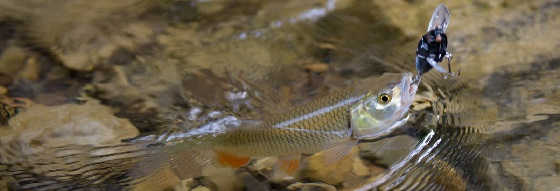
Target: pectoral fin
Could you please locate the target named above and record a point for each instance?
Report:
(338, 152)
(231, 160)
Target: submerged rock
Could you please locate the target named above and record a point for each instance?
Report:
(386, 152)
(43, 126)
(350, 167)
(52, 144)
(164, 179)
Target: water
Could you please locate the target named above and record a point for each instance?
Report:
(177, 64)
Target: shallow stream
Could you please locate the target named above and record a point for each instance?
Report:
(87, 72)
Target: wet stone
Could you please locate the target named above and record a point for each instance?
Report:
(166, 181)
(264, 166)
(253, 183)
(217, 178)
(359, 168)
(87, 124)
(345, 169)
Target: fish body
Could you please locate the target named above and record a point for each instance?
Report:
(341, 118)
(317, 125)
(332, 123)
(307, 129)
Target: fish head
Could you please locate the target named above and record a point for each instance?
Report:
(382, 110)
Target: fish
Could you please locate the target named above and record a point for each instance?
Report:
(330, 124)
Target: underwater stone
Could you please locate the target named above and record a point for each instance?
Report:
(51, 126)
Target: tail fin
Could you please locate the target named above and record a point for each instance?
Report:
(184, 160)
(116, 167)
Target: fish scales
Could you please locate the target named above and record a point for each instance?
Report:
(305, 129)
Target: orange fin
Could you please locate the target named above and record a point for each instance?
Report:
(231, 160)
(289, 166)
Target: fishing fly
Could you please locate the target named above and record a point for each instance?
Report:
(432, 47)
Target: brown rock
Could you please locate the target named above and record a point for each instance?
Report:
(388, 151)
(359, 168)
(34, 134)
(164, 180)
(88, 124)
(264, 166)
(223, 178)
(348, 168)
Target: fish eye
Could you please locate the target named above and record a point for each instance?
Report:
(384, 98)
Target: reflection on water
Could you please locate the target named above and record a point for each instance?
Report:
(192, 66)
(449, 154)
